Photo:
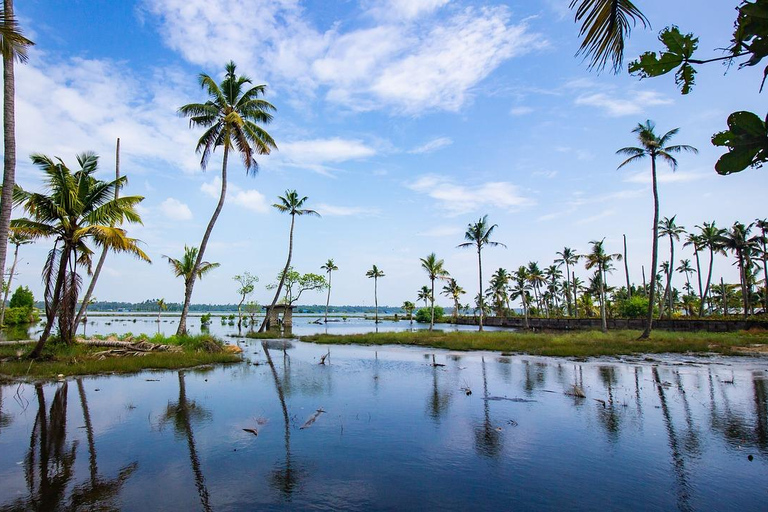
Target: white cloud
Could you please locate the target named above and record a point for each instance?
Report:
(623, 106)
(398, 65)
(458, 199)
(317, 154)
(328, 210)
(432, 145)
(175, 209)
(250, 199)
(644, 177)
(442, 231)
(520, 111)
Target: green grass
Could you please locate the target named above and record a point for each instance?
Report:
(577, 344)
(268, 335)
(82, 359)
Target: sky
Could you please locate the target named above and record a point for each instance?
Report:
(402, 121)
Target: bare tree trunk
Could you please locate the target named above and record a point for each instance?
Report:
(645, 285)
(328, 298)
(265, 323)
(8, 287)
(725, 297)
(698, 276)
(103, 257)
(575, 297)
(203, 244)
(626, 268)
(603, 320)
(9, 145)
(480, 275)
(654, 255)
(432, 318)
(569, 292)
(669, 276)
(376, 297)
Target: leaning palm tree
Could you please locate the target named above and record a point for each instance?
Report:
(435, 270)
(76, 210)
(230, 117)
(291, 204)
(375, 274)
(17, 240)
(568, 257)
(328, 267)
(667, 227)
(13, 46)
(478, 235)
(653, 146)
(454, 291)
(189, 267)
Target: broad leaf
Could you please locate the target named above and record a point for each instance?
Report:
(746, 140)
(678, 52)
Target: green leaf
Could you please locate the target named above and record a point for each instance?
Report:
(746, 140)
(735, 161)
(679, 49)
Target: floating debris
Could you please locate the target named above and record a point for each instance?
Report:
(576, 391)
(505, 399)
(512, 423)
(312, 419)
(251, 431)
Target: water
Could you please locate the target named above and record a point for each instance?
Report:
(396, 434)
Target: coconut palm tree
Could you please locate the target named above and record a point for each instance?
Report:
(425, 295)
(520, 290)
(328, 267)
(568, 257)
(188, 267)
(435, 270)
(694, 240)
(77, 209)
(17, 240)
(13, 46)
(667, 227)
(497, 291)
(598, 259)
(686, 269)
(653, 147)
(453, 291)
(478, 235)
(738, 241)
(291, 204)
(161, 306)
(552, 275)
(710, 237)
(230, 118)
(762, 225)
(375, 274)
(536, 278)
(408, 307)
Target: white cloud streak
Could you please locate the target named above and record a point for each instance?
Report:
(458, 199)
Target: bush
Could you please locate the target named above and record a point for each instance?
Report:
(424, 314)
(636, 307)
(22, 298)
(18, 316)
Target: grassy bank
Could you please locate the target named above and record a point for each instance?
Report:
(88, 360)
(578, 344)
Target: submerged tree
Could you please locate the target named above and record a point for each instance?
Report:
(478, 235)
(374, 273)
(230, 118)
(329, 267)
(435, 270)
(17, 240)
(653, 147)
(78, 209)
(247, 282)
(291, 204)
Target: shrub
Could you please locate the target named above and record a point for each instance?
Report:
(18, 316)
(424, 314)
(636, 307)
(22, 298)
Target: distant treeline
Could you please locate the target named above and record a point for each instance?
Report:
(151, 306)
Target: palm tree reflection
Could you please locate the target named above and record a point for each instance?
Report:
(488, 441)
(438, 401)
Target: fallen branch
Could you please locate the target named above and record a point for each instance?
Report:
(129, 346)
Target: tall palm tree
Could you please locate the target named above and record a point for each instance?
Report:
(17, 240)
(710, 237)
(425, 295)
(568, 257)
(375, 274)
(161, 306)
(667, 227)
(696, 242)
(328, 267)
(738, 241)
(552, 274)
(686, 269)
(189, 267)
(536, 278)
(77, 209)
(497, 291)
(598, 259)
(408, 307)
(478, 235)
(454, 292)
(762, 225)
(653, 147)
(291, 204)
(13, 46)
(520, 290)
(435, 270)
(230, 118)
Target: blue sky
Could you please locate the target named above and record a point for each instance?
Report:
(402, 121)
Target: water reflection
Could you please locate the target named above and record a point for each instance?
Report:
(488, 439)
(439, 400)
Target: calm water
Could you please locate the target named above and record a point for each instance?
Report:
(396, 434)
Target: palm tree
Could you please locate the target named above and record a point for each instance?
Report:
(601, 262)
(762, 225)
(478, 235)
(686, 269)
(328, 267)
(667, 227)
(13, 46)
(161, 306)
(17, 240)
(77, 209)
(695, 240)
(454, 291)
(229, 118)
(520, 290)
(536, 278)
(497, 291)
(653, 146)
(568, 257)
(375, 274)
(435, 270)
(291, 204)
(189, 267)
(425, 295)
(710, 237)
(408, 307)
(738, 241)
(552, 274)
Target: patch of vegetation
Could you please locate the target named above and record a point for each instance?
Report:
(559, 344)
(79, 359)
(268, 335)
(424, 314)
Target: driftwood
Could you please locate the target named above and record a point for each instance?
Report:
(576, 391)
(134, 348)
(312, 419)
(435, 364)
(323, 358)
(505, 399)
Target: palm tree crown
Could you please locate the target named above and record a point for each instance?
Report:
(292, 204)
(651, 145)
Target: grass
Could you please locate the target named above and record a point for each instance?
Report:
(58, 358)
(576, 344)
(268, 335)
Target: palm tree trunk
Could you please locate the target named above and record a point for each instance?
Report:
(432, 312)
(575, 297)
(743, 278)
(8, 287)
(654, 254)
(103, 257)
(603, 320)
(328, 298)
(9, 141)
(709, 281)
(376, 298)
(480, 277)
(725, 297)
(203, 244)
(669, 275)
(698, 276)
(568, 292)
(525, 311)
(265, 323)
(50, 312)
(765, 279)
(626, 268)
